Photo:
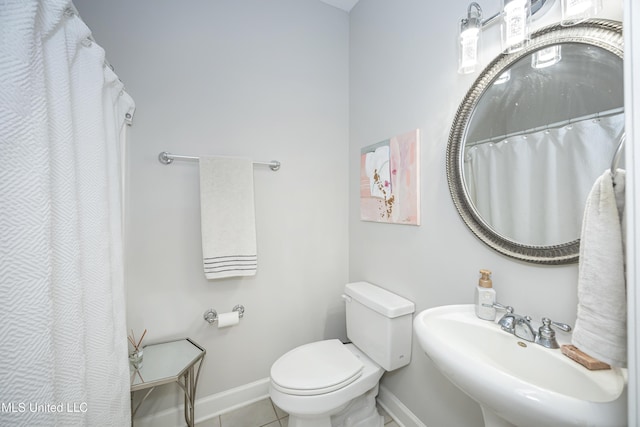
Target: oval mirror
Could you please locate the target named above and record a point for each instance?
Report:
(532, 135)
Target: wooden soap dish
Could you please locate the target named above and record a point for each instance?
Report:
(573, 353)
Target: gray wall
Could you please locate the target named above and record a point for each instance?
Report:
(403, 63)
(306, 84)
(259, 79)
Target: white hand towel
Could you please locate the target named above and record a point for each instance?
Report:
(601, 324)
(228, 217)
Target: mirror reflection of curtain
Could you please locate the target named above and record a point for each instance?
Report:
(532, 188)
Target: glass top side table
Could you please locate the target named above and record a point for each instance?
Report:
(167, 362)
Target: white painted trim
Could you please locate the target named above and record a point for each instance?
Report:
(216, 404)
(210, 406)
(400, 413)
(632, 185)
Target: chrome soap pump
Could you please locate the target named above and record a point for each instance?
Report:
(485, 297)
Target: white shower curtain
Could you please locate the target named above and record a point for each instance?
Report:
(532, 188)
(63, 351)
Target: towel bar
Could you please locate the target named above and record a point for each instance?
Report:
(616, 155)
(167, 158)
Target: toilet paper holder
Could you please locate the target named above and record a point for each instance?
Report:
(211, 315)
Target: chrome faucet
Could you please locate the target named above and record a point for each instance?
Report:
(520, 326)
(508, 321)
(517, 325)
(523, 328)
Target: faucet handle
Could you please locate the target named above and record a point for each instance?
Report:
(562, 326)
(547, 336)
(546, 325)
(499, 306)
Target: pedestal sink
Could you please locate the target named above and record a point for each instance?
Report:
(519, 383)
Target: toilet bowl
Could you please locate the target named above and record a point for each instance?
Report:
(322, 380)
(331, 384)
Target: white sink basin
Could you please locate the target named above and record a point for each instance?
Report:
(518, 382)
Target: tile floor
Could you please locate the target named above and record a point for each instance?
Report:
(264, 414)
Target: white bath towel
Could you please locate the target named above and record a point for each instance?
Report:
(601, 324)
(228, 217)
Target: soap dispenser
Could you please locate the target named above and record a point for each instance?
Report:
(485, 297)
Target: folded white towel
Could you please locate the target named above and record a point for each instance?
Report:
(601, 324)
(228, 217)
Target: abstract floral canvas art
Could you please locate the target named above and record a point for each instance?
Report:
(390, 180)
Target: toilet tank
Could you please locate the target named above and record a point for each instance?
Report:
(380, 324)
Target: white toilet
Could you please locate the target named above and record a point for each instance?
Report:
(330, 384)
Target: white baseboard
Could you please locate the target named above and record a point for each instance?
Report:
(400, 413)
(213, 405)
(209, 406)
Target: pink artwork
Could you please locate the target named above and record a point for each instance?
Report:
(390, 180)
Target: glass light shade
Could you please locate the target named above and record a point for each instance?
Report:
(515, 24)
(546, 57)
(576, 11)
(468, 48)
(469, 39)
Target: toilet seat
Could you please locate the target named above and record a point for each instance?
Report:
(316, 368)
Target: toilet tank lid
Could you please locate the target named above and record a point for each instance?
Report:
(380, 300)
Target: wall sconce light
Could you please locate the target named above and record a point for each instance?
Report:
(576, 11)
(515, 18)
(469, 39)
